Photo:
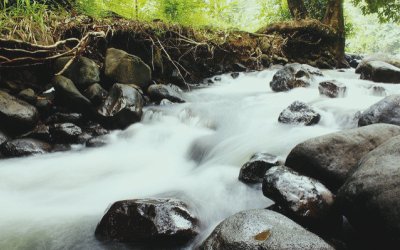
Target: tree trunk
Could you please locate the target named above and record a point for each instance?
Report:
(297, 9)
(334, 18)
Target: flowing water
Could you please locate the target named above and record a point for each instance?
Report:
(192, 150)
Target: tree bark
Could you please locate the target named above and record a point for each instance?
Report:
(335, 19)
(297, 9)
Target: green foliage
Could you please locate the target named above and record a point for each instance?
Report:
(316, 8)
(387, 10)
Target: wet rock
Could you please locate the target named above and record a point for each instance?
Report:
(393, 60)
(16, 115)
(261, 229)
(148, 221)
(378, 91)
(83, 71)
(378, 71)
(96, 142)
(59, 117)
(40, 132)
(331, 158)
(69, 96)
(235, 75)
(254, 170)
(299, 113)
(293, 76)
(96, 94)
(65, 133)
(165, 102)
(28, 95)
(3, 137)
(122, 107)
(305, 200)
(94, 129)
(370, 198)
(24, 147)
(384, 111)
(61, 148)
(332, 89)
(158, 92)
(124, 68)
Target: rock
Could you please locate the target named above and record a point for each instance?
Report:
(40, 132)
(165, 102)
(332, 89)
(65, 133)
(69, 96)
(76, 118)
(124, 68)
(299, 113)
(96, 142)
(28, 95)
(393, 60)
(354, 63)
(148, 221)
(331, 158)
(83, 71)
(378, 91)
(261, 229)
(61, 148)
(378, 71)
(305, 200)
(384, 111)
(94, 129)
(3, 137)
(122, 107)
(96, 94)
(370, 198)
(254, 170)
(24, 147)
(158, 92)
(293, 75)
(235, 75)
(16, 115)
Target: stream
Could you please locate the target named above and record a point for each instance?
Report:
(191, 151)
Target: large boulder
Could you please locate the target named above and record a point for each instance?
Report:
(331, 158)
(148, 221)
(16, 115)
(83, 71)
(385, 111)
(332, 89)
(393, 60)
(299, 113)
(122, 107)
(370, 198)
(24, 147)
(293, 75)
(254, 170)
(158, 92)
(303, 199)
(125, 68)
(378, 71)
(69, 96)
(261, 229)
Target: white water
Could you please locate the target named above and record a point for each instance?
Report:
(54, 201)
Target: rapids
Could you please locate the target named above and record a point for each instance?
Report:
(192, 151)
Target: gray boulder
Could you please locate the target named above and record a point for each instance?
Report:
(332, 89)
(331, 158)
(254, 170)
(16, 115)
(83, 72)
(125, 68)
(158, 92)
(122, 107)
(293, 75)
(24, 147)
(378, 71)
(148, 221)
(370, 198)
(69, 96)
(263, 230)
(385, 111)
(299, 113)
(303, 199)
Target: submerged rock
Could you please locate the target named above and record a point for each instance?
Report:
(65, 133)
(122, 107)
(303, 199)
(384, 111)
(378, 91)
(158, 92)
(370, 198)
(331, 158)
(148, 221)
(125, 68)
(96, 142)
(332, 89)
(24, 147)
(293, 76)
(262, 230)
(299, 113)
(379, 71)
(16, 115)
(254, 170)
